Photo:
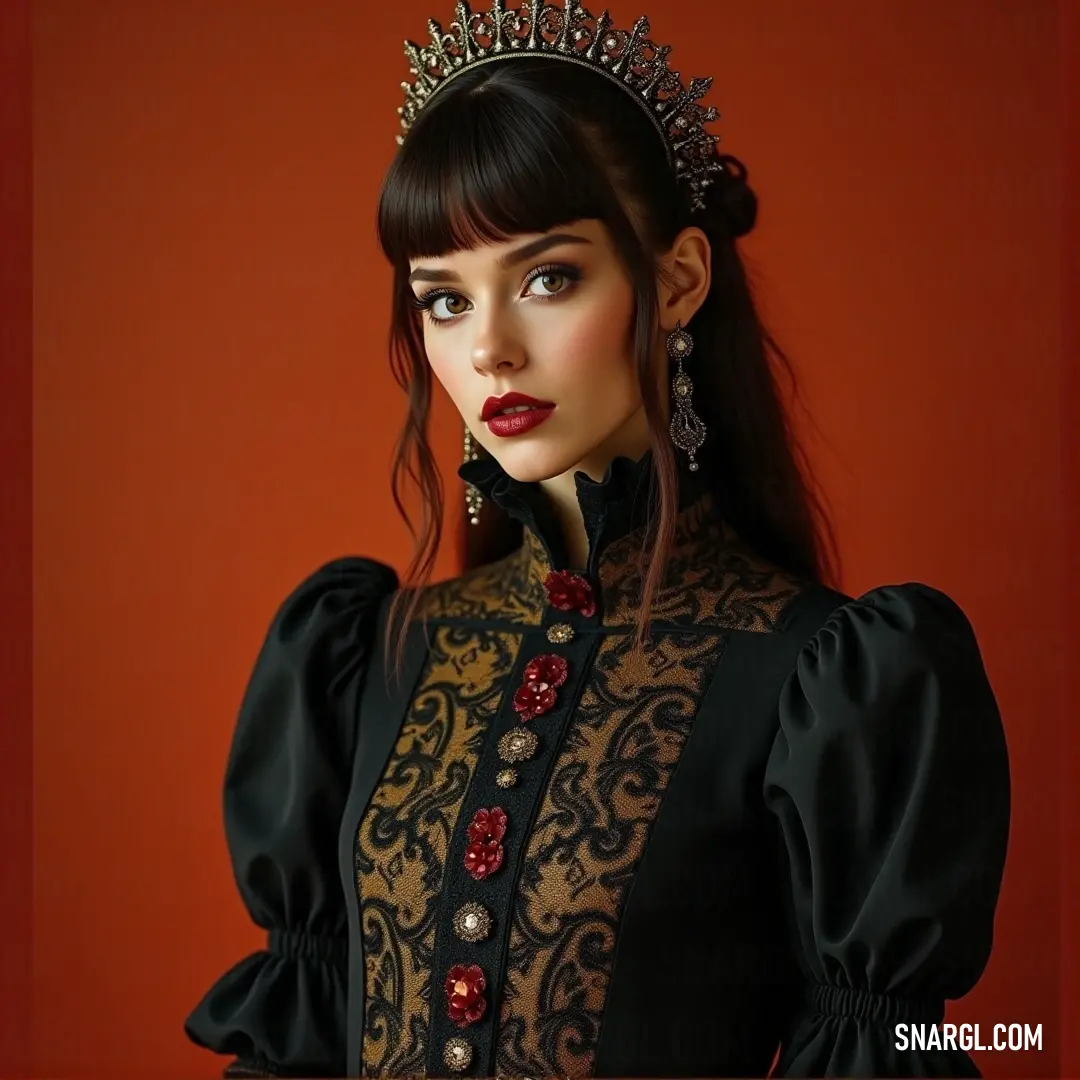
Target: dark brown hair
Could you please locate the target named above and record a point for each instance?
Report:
(522, 146)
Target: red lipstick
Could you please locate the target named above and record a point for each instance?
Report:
(527, 413)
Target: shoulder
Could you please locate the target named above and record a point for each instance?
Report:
(506, 590)
(895, 625)
(745, 590)
(329, 618)
(312, 662)
(890, 660)
(712, 580)
(891, 694)
(350, 584)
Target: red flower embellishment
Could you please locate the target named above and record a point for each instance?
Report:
(570, 592)
(484, 853)
(465, 988)
(547, 668)
(536, 695)
(482, 858)
(488, 825)
(533, 699)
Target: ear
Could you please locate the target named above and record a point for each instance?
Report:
(683, 281)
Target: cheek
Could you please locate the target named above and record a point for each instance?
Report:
(595, 350)
(452, 375)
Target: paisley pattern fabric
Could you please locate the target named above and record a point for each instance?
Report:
(510, 590)
(711, 580)
(402, 842)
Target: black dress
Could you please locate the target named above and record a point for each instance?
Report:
(780, 827)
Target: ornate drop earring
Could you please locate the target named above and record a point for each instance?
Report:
(687, 429)
(473, 499)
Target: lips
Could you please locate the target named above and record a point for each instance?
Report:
(514, 413)
(495, 405)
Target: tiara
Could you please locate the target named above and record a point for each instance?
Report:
(570, 33)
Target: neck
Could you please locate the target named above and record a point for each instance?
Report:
(562, 494)
(631, 440)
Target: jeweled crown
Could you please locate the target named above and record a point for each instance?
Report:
(568, 32)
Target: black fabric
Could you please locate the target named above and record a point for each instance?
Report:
(825, 862)
(714, 850)
(889, 777)
(282, 1010)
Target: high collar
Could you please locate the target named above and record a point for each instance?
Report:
(611, 508)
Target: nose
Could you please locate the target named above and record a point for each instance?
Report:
(497, 357)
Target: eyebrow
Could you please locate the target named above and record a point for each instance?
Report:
(526, 251)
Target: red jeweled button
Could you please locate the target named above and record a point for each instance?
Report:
(547, 668)
(465, 989)
(570, 592)
(536, 694)
(483, 859)
(484, 853)
(488, 824)
(533, 699)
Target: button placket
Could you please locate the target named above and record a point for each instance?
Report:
(539, 693)
(465, 983)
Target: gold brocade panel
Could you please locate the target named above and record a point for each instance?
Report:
(510, 590)
(403, 839)
(712, 579)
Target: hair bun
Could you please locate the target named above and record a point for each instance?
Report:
(731, 199)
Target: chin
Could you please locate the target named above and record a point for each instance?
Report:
(532, 464)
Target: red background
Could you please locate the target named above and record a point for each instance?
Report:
(195, 380)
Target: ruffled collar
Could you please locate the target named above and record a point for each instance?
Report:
(611, 507)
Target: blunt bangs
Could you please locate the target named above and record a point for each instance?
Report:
(488, 161)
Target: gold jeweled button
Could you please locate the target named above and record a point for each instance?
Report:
(472, 921)
(518, 745)
(506, 777)
(560, 633)
(457, 1054)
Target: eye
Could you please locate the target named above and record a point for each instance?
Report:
(450, 298)
(544, 275)
(426, 302)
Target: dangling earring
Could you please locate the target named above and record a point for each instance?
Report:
(473, 499)
(687, 430)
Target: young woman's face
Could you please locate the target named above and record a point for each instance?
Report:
(547, 316)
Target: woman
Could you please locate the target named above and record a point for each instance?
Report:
(638, 794)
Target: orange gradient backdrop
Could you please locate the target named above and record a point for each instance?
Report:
(214, 414)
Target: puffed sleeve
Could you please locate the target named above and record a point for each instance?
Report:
(282, 1011)
(890, 779)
